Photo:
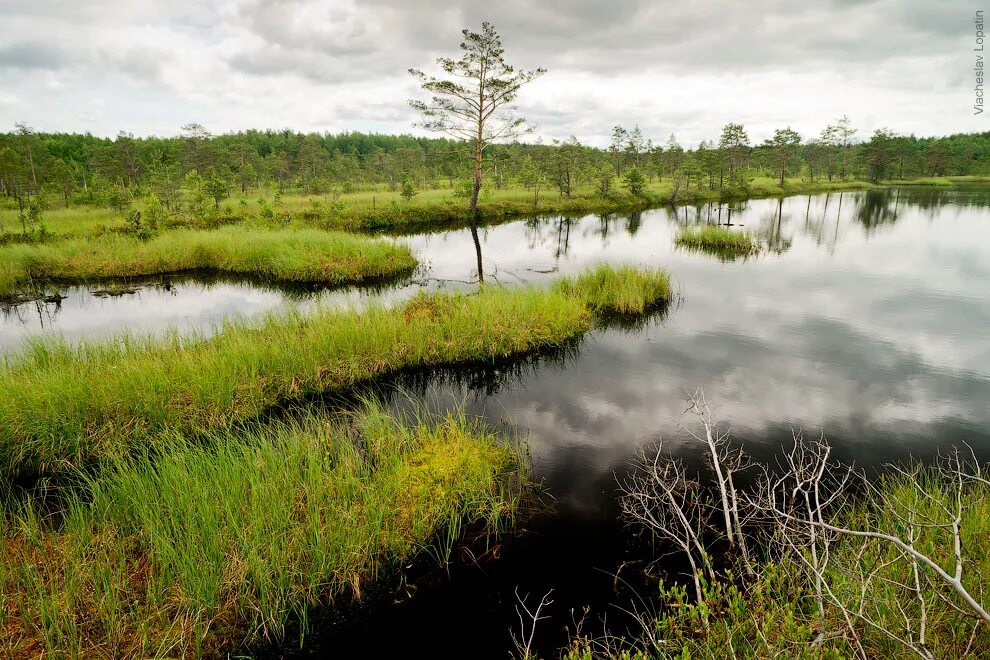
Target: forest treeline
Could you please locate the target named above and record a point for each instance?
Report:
(67, 167)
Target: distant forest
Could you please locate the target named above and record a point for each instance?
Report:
(62, 167)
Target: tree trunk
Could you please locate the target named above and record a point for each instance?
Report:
(477, 251)
(474, 193)
(478, 146)
(34, 176)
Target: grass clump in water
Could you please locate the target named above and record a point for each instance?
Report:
(205, 546)
(303, 255)
(114, 396)
(716, 240)
(624, 290)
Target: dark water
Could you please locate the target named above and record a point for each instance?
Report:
(869, 320)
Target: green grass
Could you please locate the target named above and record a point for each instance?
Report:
(203, 549)
(626, 290)
(113, 396)
(770, 187)
(971, 178)
(719, 241)
(435, 209)
(936, 181)
(386, 210)
(67, 222)
(775, 614)
(382, 209)
(304, 255)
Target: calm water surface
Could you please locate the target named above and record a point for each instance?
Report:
(868, 320)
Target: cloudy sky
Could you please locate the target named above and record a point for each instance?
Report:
(145, 67)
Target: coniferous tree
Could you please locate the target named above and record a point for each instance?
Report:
(475, 101)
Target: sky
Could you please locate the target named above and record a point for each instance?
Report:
(688, 68)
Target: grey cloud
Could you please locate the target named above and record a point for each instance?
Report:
(609, 36)
(142, 64)
(758, 62)
(297, 25)
(273, 60)
(31, 55)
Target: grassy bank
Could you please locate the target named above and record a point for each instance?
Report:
(386, 210)
(775, 613)
(290, 255)
(213, 546)
(116, 395)
(719, 241)
(938, 181)
(431, 209)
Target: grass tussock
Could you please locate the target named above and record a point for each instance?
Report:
(626, 290)
(305, 255)
(718, 240)
(210, 546)
(113, 396)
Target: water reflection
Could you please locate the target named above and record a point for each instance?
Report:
(197, 302)
(550, 244)
(866, 320)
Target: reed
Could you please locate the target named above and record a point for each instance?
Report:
(198, 548)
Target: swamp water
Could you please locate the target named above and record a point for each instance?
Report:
(868, 319)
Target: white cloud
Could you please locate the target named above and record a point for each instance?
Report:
(340, 64)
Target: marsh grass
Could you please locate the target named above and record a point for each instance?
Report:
(929, 181)
(381, 209)
(720, 241)
(113, 396)
(440, 209)
(303, 255)
(385, 210)
(623, 290)
(201, 545)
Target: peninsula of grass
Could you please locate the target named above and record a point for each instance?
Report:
(720, 241)
(208, 547)
(302, 255)
(64, 405)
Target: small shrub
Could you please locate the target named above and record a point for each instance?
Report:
(634, 181)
